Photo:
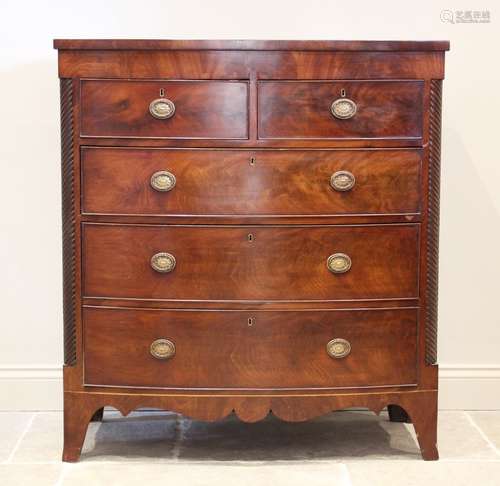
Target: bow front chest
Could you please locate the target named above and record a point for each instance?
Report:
(250, 226)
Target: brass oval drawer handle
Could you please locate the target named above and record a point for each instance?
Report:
(162, 349)
(339, 263)
(338, 348)
(162, 108)
(342, 180)
(163, 181)
(163, 262)
(343, 108)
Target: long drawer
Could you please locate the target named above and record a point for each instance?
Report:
(250, 262)
(238, 182)
(261, 349)
(341, 109)
(164, 109)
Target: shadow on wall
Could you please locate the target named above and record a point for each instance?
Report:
(30, 246)
(169, 436)
(469, 258)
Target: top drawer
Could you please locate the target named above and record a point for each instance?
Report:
(340, 109)
(137, 109)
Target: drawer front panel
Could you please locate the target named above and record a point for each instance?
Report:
(301, 109)
(249, 350)
(203, 109)
(250, 262)
(225, 182)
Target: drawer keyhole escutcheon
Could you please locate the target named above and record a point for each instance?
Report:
(162, 349)
(251, 321)
(339, 263)
(342, 180)
(338, 348)
(250, 237)
(162, 108)
(163, 262)
(163, 181)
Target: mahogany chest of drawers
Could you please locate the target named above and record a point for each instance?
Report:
(250, 226)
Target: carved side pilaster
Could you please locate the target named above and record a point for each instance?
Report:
(68, 222)
(432, 250)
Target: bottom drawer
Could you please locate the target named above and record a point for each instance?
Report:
(249, 350)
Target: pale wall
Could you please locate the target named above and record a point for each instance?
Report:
(31, 320)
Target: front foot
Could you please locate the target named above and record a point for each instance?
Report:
(77, 414)
(423, 413)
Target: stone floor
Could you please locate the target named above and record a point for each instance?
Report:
(341, 449)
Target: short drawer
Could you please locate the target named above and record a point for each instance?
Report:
(240, 349)
(341, 109)
(231, 182)
(164, 109)
(250, 262)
